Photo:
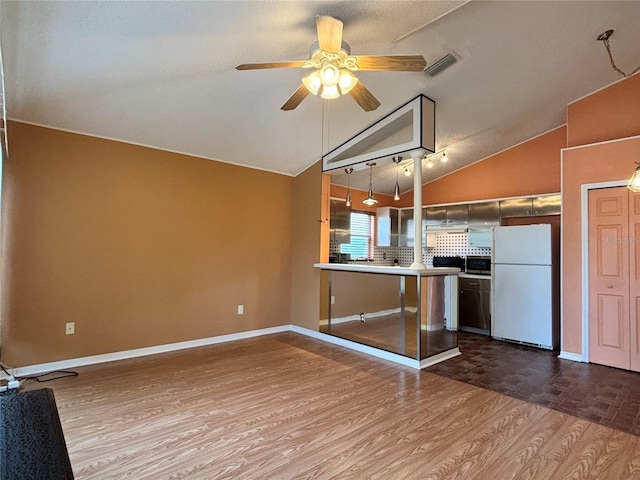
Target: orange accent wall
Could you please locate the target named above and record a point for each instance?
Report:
(137, 246)
(526, 169)
(607, 162)
(606, 115)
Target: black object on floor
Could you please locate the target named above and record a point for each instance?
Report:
(32, 444)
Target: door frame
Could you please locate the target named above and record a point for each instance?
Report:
(584, 223)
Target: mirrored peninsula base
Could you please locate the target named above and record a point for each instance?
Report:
(400, 314)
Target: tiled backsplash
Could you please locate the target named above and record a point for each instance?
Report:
(447, 244)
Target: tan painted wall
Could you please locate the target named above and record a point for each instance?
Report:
(138, 246)
(590, 164)
(305, 247)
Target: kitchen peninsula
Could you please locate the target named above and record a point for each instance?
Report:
(403, 314)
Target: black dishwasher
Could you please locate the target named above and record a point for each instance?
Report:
(474, 305)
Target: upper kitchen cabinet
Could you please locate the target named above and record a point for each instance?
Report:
(388, 222)
(484, 214)
(406, 236)
(435, 216)
(533, 206)
(340, 222)
(445, 216)
(547, 205)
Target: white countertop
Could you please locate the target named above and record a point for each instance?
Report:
(387, 269)
(474, 275)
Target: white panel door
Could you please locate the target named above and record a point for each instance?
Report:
(523, 303)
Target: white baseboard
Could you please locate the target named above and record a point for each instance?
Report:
(440, 357)
(576, 357)
(171, 347)
(357, 347)
(141, 352)
(353, 318)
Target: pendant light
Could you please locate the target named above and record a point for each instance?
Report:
(370, 201)
(634, 182)
(348, 198)
(396, 190)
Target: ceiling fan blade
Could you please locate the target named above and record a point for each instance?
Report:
(258, 66)
(398, 63)
(295, 99)
(364, 97)
(329, 34)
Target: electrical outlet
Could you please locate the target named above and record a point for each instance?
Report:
(333, 300)
(70, 328)
(240, 309)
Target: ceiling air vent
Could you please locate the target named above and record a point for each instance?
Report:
(440, 65)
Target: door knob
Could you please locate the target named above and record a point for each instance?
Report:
(610, 285)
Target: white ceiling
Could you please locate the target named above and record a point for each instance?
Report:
(162, 73)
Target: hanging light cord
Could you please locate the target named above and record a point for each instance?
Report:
(604, 38)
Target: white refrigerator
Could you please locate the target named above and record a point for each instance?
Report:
(522, 285)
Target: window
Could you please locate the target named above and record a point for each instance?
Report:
(361, 246)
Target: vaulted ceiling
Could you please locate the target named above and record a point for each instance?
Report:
(162, 73)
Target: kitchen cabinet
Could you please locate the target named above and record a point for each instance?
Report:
(388, 224)
(340, 222)
(449, 215)
(406, 235)
(532, 206)
(435, 216)
(547, 205)
(484, 214)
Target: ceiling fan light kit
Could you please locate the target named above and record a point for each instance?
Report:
(334, 64)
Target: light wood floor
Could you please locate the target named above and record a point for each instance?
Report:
(288, 407)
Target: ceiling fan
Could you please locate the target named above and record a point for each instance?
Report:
(333, 63)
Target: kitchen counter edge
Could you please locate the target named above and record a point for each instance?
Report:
(387, 269)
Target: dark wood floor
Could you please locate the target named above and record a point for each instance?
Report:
(286, 406)
(605, 395)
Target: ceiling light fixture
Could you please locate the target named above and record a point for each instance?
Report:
(348, 198)
(396, 191)
(370, 201)
(604, 38)
(634, 181)
(330, 81)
